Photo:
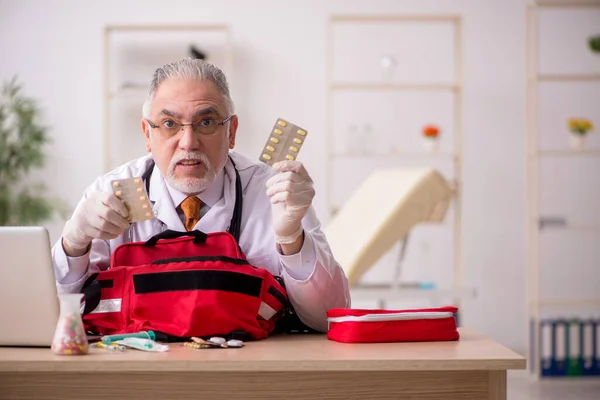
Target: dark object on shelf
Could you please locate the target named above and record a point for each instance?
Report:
(594, 43)
(195, 53)
(552, 221)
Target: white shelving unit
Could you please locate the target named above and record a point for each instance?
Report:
(355, 45)
(542, 305)
(131, 55)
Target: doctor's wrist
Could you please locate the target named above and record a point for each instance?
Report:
(290, 236)
(72, 251)
(290, 248)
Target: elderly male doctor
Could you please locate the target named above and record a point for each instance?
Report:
(189, 128)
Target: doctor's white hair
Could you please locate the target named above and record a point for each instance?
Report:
(188, 68)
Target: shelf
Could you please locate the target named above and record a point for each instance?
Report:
(562, 224)
(448, 87)
(569, 78)
(567, 303)
(394, 18)
(566, 4)
(566, 153)
(575, 228)
(396, 154)
(365, 292)
(396, 86)
(539, 305)
(166, 28)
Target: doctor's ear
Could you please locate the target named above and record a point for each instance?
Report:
(146, 132)
(233, 125)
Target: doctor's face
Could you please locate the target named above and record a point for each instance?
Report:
(189, 157)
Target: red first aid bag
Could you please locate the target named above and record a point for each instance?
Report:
(183, 284)
(375, 326)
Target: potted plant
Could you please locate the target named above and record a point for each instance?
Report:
(431, 135)
(579, 128)
(22, 139)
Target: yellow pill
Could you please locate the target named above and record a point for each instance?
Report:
(115, 184)
(270, 148)
(282, 123)
(118, 193)
(142, 197)
(297, 141)
(140, 189)
(274, 140)
(289, 157)
(148, 214)
(301, 132)
(278, 131)
(266, 156)
(294, 149)
(144, 205)
(137, 180)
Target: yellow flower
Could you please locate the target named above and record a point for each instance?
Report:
(572, 124)
(580, 125)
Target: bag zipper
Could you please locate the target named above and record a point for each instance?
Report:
(392, 317)
(237, 261)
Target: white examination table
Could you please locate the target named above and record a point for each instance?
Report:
(381, 212)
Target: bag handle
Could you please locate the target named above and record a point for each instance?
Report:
(199, 237)
(91, 294)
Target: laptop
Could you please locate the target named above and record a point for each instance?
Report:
(29, 307)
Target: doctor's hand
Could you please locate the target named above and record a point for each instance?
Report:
(100, 216)
(291, 192)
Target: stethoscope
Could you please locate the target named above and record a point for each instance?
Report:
(236, 219)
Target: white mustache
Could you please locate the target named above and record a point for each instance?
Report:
(191, 185)
(193, 155)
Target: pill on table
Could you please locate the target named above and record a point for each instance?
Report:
(217, 340)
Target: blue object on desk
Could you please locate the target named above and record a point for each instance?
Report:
(108, 339)
(426, 285)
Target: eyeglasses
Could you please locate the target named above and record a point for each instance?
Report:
(206, 126)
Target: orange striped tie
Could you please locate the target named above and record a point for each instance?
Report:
(191, 209)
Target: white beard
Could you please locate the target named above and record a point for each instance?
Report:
(191, 185)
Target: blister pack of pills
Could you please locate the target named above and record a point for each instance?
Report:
(284, 142)
(133, 193)
(213, 342)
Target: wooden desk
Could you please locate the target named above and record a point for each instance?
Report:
(281, 367)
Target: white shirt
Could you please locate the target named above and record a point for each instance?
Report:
(314, 280)
(209, 196)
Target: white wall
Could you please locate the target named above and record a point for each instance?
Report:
(56, 49)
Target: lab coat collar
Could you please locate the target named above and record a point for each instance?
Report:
(217, 219)
(214, 192)
(163, 207)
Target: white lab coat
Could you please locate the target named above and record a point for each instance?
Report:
(314, 280)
